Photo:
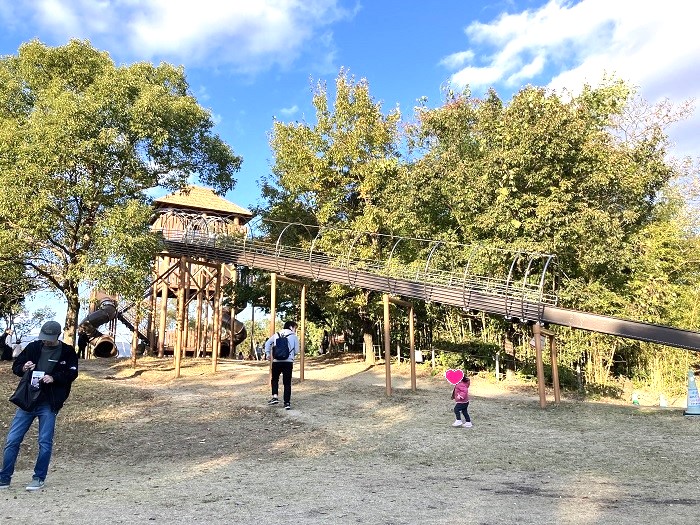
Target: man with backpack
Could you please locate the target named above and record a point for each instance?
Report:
(282, 347)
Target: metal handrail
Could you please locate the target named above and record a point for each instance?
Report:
(509, 289)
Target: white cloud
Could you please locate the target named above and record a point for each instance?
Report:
(565, 44)
(477, 76)
(288, 112)
(247, 35)
(456, 60)
(528, 71)
(636, 39)
(54, 13)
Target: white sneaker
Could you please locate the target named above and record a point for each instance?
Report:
(468, 424)
(35, 484)
(457, 423)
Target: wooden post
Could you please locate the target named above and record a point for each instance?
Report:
(412, 339)
(273, 302)
(302, 336)
(537, 332)
(205, 317)
(232, 318)
(252, 329)
(216, 322)
(199, 349)
(186, 327)
(555, 369)
(163, 320)
(387, 345)
(177, 353)
(273, 314)
(152, 312)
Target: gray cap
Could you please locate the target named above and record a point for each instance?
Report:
(50, 331)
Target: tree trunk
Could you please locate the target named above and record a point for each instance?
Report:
(71, 324)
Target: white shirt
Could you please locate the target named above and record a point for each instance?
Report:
(292, 340)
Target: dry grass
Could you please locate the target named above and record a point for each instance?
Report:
(137, 446)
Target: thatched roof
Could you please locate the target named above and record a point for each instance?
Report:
(201, 199)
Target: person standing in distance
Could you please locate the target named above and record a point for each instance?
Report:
(460, 393)
(59, 364)
(282, 366)
(5, 348)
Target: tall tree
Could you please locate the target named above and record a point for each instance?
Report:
(81, 140)
(542, 172)
(583, 177)
(333, 173)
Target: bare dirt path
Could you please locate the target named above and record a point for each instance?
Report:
(137, 446)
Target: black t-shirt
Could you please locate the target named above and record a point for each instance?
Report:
(49, 357)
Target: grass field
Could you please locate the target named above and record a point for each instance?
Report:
(137, 446)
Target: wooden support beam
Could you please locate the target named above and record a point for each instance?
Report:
(216, 323)
(412, 344)
(273, 314)
(302, 335)
(273, 303)
(198, 324)
(387, 344)
(180, 318)
(135, 337)
(537, 332)
(289, 280)
(400, 302)
(555, 368)
(411, 335)
(163, 320)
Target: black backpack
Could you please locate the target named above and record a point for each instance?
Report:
(280, 350)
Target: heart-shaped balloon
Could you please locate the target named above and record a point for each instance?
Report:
(454, 376)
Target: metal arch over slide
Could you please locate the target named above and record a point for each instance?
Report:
(492, 280)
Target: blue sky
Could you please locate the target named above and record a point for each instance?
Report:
(250, 61)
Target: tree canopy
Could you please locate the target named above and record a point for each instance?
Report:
(335, 172)
(585, 177)
(82, 140)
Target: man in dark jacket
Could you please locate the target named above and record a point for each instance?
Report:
(55, 365)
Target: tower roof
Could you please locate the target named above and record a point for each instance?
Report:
(201, 199)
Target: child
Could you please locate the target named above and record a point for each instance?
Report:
(460, 393)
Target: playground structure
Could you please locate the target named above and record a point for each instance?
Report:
(194, 286)
(518, 285)
(206, 238)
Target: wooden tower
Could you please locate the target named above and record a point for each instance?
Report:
(193, 287)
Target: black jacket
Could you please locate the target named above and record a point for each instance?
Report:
(5, 349)
(64, 373)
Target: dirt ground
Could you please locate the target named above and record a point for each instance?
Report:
(138, 446)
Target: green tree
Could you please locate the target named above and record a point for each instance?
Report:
(334, 173)
(582, 177)
(81, 140)
(16, 285)
(542, 172)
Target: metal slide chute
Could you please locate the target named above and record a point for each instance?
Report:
(102, 344)
(239, 332)
(521, 291)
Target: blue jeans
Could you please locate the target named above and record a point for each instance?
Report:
(20, 424)
(461, 408)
